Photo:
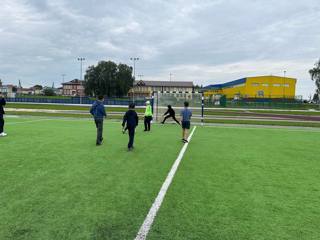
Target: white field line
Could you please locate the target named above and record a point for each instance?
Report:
(212, 125)
(145, 227)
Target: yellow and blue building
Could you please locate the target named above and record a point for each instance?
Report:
(272, 87)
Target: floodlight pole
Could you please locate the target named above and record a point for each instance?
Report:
(63, 75)
(140, 76)
(134, 59)
(284, 84)
(81, 59)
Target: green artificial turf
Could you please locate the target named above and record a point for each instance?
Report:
(248, 184)
(65, 107)
(222, 111)
(222, 121)
(233, 183)
(244, 112)
(264, 122)
(65, 115)
(56, 184)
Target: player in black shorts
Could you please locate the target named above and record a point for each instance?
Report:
(185, 122)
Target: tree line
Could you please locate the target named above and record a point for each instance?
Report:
(109, 79)
(315, 76)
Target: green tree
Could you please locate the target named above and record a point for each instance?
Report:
(38, 87)
(109, 79)
(315, 97)
(315, 76)
(48, 92)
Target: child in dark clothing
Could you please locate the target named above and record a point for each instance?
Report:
(130, 120)
(2, 104)
(171, 114)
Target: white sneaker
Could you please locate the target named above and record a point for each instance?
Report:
(3, 134)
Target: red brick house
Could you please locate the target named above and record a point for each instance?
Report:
(73, 88)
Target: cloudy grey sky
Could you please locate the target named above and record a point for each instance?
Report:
(205, 41)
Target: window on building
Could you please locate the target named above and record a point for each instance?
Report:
(276, 85)
(239, 85)
(286, 85)
(265, 84)
(255, 84)
(260, 93)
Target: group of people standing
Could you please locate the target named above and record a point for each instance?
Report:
(131, 120)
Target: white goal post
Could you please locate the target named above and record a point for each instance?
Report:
(161, 100)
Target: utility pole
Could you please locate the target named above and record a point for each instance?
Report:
(81, 59)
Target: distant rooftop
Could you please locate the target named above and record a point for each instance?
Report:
(227, 84)
(74, 82)
(163, 83)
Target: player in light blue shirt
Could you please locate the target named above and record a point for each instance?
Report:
(185, 122)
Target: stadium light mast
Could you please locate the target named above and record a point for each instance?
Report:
(284, 84)
(170, 76)
(140, 76)
(81, 59)
(63, 75)
(134, 59)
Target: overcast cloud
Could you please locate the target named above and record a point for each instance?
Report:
(202, 41)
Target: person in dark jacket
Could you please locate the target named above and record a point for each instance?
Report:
(171, 114)
(130, 120)
(2, 104)
(99, 113)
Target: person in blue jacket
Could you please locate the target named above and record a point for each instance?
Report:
(99, 113)
(130, 120)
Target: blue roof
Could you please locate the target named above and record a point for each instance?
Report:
(227, 84)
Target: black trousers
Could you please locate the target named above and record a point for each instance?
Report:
(99, 125)
(147, 123)
(173, 117)
(131, 132)
(1, 123)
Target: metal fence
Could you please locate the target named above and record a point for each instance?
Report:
(77, 100)
(268, 105)
(262, 104)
